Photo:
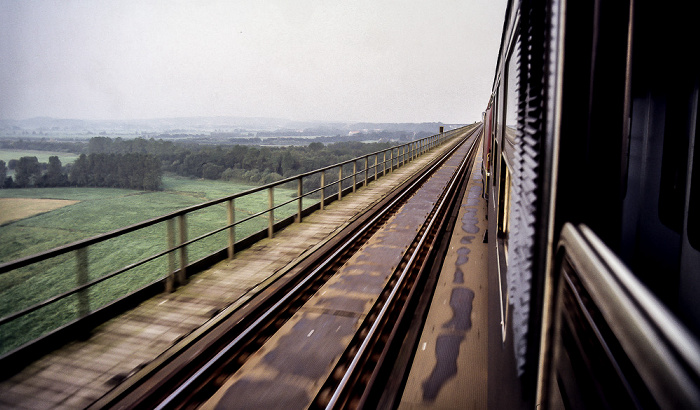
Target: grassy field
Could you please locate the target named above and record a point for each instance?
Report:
(98, 210)
(14, 209)
(43, 156)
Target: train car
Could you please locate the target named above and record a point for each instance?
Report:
(593, 188)
(487, 141)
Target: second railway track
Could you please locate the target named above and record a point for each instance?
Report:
(321, 335)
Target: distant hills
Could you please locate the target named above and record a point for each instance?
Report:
(198, 125)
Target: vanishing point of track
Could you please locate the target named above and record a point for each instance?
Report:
(195, 374)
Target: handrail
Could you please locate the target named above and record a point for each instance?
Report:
(404, 154)
(661, 349)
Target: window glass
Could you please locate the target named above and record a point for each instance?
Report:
(509, 124)
(674, 162)
(512, 93)
(694, 205)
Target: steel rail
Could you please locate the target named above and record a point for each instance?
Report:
(349, 242)
(341, 387)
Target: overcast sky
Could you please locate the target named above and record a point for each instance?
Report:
(375, 60)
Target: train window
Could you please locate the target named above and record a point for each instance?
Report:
(504, 204)
(499, 113)
(511, 113)
(674, 161)
(495, 132)
(509, 123)
(494, 164)
(693, 227)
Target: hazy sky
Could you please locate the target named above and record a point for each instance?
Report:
(375, 60)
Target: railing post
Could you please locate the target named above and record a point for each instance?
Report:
(340, 182)
(300, 192)
(170, 281)
(366, 165)
(384, 165)
(391, 160)
(271, 215)
(323, 189)
(232, 229)
(182, 273)
(81, 256)
(354, 175)
(376, 166)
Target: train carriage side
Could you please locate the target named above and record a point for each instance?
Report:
(593, 204)
(487, 142)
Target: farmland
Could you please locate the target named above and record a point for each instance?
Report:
(43, 156)
(93, 211)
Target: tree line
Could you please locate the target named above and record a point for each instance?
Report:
(242, 163)
(131, 171)
(139, 163)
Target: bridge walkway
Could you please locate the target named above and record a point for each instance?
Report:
(81, 372)
(450, 364)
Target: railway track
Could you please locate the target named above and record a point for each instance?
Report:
(367, 281)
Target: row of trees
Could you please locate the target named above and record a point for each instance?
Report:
(30, 173)
(262, 165)
(244, 163)
(132, 171)
(139, 163)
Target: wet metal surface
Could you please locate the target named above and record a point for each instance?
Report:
(307, 347)
(449, 370)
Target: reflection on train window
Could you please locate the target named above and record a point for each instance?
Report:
(499, 114)
(508, 128)
(496, 133)
(511, 113)
(495, 152)
(674, 163)
(694, 204)
(504, 204)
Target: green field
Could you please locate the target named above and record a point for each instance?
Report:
(43, 156)
(101, 210)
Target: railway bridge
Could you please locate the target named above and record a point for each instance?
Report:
(373, 296)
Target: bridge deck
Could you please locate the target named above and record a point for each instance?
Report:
(450, 365)
(79, 373)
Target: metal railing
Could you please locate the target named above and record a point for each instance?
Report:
(365, 169)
